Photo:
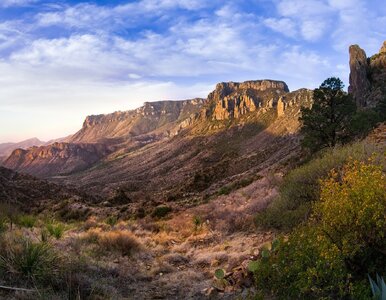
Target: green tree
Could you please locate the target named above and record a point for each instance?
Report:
(327, 122)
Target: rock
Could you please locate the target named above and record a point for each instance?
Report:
(367, 76)
(232, 100)
(359, 83)
(383, 48)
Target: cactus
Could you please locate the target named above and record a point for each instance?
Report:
(220, 274)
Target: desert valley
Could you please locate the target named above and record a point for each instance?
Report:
(254, 192)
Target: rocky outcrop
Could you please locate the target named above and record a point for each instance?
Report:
(359, 69)
(56, 159)
(7, 148)
(367, 76)
(232, 100)
(163, 118)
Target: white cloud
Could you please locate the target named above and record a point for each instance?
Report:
(90, 65)
(283, 25)
(10, 3)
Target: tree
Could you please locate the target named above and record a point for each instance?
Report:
(327, 122)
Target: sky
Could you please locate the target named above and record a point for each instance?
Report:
(63, 60)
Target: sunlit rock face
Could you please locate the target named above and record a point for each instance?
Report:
(232, 99)
(367, 76)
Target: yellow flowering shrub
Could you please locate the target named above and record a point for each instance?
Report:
(330, 256)
(352, 214)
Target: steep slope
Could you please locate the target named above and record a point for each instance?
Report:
(7, 148)
(56, 159)
(163, 118)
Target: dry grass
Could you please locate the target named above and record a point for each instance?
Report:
(122, 241)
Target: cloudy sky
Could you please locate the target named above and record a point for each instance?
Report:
(63, 60)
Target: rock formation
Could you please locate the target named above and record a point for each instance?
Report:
(163, 117)
(56, 159)
(367, 76)
(233, 100)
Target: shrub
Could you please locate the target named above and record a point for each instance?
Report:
(161, 211)
(301, 187)
(27, 221)
(111, 220)
(197, 222)
(22, 259)
(3, 224)
(121, 241)
(55, 229)
(351, 213)
(344, 240)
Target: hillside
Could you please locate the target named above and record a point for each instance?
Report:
(30, 194)
(7, 148)
(239, 127)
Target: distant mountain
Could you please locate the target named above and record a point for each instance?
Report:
(160, 119)
(56, 159)
(7, 148)
(104, 134)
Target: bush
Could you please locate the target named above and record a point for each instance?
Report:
(161, 211)
(352, 212)
(301, 187)
(3, 224)
(22, 259)
(331, 255)
(121, 241)
(27, 221)
(111, 220)
(55, 229)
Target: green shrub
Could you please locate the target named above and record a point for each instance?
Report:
(330, 255)
(3, 224)
(22, 259)
(351, 214)
(197, 222)
(161, 211)
(227, 189)
(301, 187)
(55, 229)
(27, 221)
(111, 220)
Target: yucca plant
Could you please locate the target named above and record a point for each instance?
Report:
(56, 229)
(29, 260)
(378, 288)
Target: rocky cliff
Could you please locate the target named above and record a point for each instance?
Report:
(367, 76)
(162, 118)
(7, 148)
(56, 159)
(233, 100)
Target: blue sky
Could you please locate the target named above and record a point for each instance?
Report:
(63, 60)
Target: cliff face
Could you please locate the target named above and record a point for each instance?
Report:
(367, 76)
(233, 100)
(56, 159)
(163, 117)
